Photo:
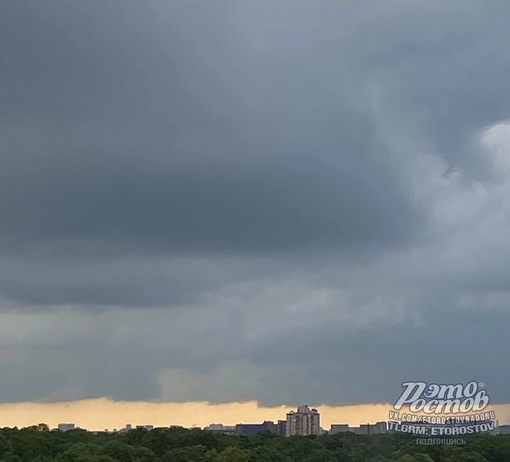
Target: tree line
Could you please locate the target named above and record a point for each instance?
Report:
(40, 444)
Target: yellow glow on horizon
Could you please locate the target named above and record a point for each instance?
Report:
(104, 413)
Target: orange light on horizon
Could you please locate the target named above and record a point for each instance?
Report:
(105, 413)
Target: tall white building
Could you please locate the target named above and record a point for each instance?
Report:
(304, 422)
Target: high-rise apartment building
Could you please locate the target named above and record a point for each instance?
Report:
(304, 422)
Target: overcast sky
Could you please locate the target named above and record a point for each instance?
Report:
(283, 201)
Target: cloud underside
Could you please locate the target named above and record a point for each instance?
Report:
(268, 201)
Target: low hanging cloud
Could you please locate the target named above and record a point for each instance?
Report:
(271, 201)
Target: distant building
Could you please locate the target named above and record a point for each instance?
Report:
(220, 428)
(145, 427)
(282, 427)
(64, 427)
(364, 429)
(304, 422)
(379, 427)
(253, 429)
(370, 429)
(338, 428)
(127, 428)
(502, 430)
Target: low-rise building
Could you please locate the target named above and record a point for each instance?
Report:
(502, 430)
(220, 428)
(253, 429)
(145, 427)
(64, 427)
(338, 428)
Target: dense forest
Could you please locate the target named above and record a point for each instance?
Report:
(40, 444)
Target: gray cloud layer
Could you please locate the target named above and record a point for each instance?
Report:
(209, 201)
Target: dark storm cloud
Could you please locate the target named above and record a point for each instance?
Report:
(140, 136)
(70, 171)
(364, 366)
(69, 373)
(253, 205)
(301, 182)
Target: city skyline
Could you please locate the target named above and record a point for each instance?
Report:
(99, 414)
(266, 201)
